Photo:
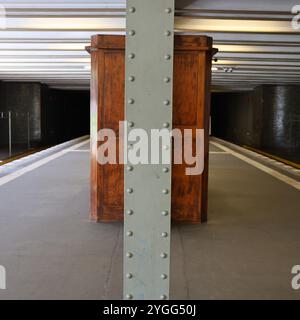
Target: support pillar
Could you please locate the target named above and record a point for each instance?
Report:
(147, 196)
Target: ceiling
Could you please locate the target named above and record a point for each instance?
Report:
(45, 40)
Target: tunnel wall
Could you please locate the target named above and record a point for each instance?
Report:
(22, 99)
(55, 115)
(281, 114)
(267, 118)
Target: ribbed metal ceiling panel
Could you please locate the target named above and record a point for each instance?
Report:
(45, 40)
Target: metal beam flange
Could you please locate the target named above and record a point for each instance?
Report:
(149, 85)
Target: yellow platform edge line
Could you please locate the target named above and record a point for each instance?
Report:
(290, 163)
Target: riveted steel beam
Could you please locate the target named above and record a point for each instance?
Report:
(149, 75)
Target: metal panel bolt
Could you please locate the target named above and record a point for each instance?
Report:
(129, 190)
(130, 124)
(164, 234)
(130, 168)
(129, 255)
(166, 125)
(129, 296)
(166, 102)
(129, 233)
(129, 212)
(131, 56)
(165, 191)
(167, 79)
(165, 213)
(132, 9)
(163, 297)
(129, 276)
(130, 101)
(163, 255)
(166, 147)
(131, 32)
(164, 276)
(168, 33)
(167, 57)
(131, 78)
(168, 10)
(165, 170)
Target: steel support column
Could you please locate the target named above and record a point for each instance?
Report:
(149, 78)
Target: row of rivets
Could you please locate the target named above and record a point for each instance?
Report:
(130, 234)
(130, 168)
(163, 255)
(131, 124)
(164, 213)
(131, 79)
(167, 33)
(130, 190)
(130, 276)
(133, 9)
(130, 297)
(132, 101)
(165, 170)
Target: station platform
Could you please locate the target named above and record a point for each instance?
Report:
(51, 250)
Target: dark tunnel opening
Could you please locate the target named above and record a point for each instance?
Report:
(34, 116)
(266, 119)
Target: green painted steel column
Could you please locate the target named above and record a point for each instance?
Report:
(149, 85)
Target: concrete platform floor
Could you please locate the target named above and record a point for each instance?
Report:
(52, 251)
